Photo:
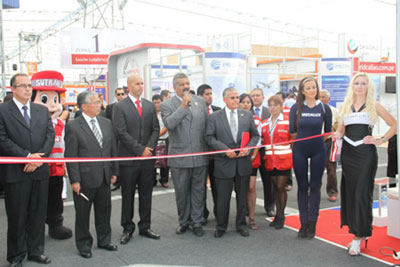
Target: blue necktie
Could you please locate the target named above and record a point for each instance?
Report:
(258, 112)
(26, 116)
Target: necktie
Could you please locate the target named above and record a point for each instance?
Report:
(258, 112)
(26, 116)
(208, 110)
(233, 125)
(96, 132)
(139, 108)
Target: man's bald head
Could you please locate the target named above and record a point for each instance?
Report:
(135, 85)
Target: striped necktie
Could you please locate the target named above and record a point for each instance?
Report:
(96, 132)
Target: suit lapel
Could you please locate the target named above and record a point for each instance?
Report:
(103, 128)
(240, 125)
(34, 116)
(132, 107)
(176, 103)
(14, 111)
(227, 127)
(85, 127)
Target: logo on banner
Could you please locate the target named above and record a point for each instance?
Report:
(352, 46)
(330, 66)
(215, 64)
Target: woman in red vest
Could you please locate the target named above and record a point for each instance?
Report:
(278, 158)
(247, 104)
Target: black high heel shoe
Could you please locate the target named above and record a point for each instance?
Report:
(311, 230)
(303, 231)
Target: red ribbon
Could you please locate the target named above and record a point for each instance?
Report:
(21, 160)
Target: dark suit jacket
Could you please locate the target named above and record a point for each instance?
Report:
(134, 133)
(18, 140)
(265, 113)
(215, 108)
(79, 113)
(219, 137)
(109, 111)
(81, 142)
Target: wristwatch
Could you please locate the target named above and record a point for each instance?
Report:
(384, 139)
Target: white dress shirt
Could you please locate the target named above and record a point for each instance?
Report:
(88, 119)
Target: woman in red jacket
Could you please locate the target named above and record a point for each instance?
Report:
(278, 158)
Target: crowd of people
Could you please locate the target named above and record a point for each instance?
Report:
(292, 134)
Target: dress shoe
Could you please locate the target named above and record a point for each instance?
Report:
(60, 232)
(198, 231)
(16, 263)
(125, 237)
(109, 247)
(243, 232)
(164, 185)
(150, 234)
(43, 259)
(332, 198)
(270, 213)
(181, 229)
(218, 233)
(86, 254)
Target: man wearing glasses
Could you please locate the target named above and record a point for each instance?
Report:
(26, 130)
(119, 95)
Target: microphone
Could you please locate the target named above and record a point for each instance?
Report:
(189, 104)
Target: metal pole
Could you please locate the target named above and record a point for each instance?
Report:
(3, 58)
(398, 74)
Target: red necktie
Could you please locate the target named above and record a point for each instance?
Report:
(139, 108)
(208, 110)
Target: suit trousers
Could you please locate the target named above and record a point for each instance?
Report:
(224, 187)
(26, 207)
(189, 186)
(331, 185)
(55, 204)
(213, 190)
(100, 198)
(143, 177)
(267, 184)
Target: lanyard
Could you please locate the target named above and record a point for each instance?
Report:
(271, 129)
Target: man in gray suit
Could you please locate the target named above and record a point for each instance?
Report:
(257, 95)
(91, 135)
(185, 117)
(225, 130)
(137, 129)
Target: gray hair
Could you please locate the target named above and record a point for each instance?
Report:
(84, 98)
(177, 76)
(228, 89)
(323, 91)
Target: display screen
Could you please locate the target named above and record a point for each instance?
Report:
(390, 85)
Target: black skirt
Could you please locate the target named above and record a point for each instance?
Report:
(359, 165)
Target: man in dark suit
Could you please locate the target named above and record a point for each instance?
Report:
(26, 130)
(137, 129)
(257, 95)
(205, 91)
(91, 135)
(119, 95)
(185, 117)
(225, 129)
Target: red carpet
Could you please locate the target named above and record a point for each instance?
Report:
(328, 228)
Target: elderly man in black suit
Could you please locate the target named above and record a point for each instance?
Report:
(225, 130)
(91, 135)
(137, 129)
(26, 130)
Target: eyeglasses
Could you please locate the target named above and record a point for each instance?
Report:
(119, 94)
(25, 86)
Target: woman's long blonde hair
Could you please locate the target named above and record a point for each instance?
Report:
(370, 101)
